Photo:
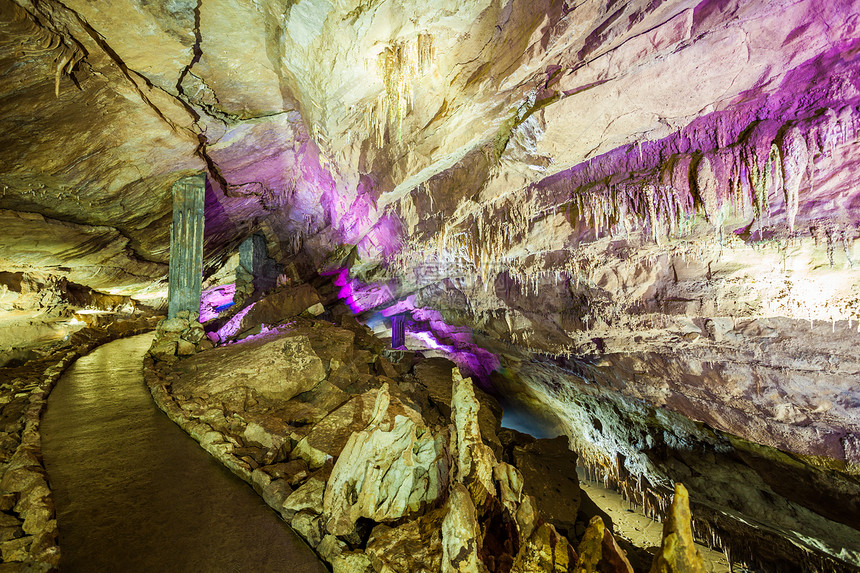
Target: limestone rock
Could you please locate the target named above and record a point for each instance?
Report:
(275, 369)
(295, 471)
(435, 375)
(163, 350)
(545, 551)
(184, 347)
(475, 460)
(309, 525)
(527, 517)
(15, 549)
(461, 533)
(330, 547)
(415, 546)
(352, 562)
(276, 492)
(174, 325)
(316, 309)
(280, 306)
(308, 497)
(332, 432)
(304, 451)
(548, 469)
(510, 482)
(677, 552)
(385, 474)
(257, 434)
(599, 553)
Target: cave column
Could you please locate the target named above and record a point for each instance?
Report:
(186, 246)
(398, 331)
(257, 272)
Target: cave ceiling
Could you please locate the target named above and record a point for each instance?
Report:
(666, 187)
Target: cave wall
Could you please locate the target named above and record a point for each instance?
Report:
(663, 191)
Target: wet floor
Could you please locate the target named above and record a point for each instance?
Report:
(135, 493)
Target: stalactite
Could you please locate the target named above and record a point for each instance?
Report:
(399, 66)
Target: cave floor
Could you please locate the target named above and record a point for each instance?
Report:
(632, 524)
(133, 492)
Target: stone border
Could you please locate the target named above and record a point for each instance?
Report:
(220, 450)
(24, 486)
(220, 446)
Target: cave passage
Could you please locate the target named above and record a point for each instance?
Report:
(133, 492)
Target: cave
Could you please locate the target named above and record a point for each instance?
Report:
(388, 286)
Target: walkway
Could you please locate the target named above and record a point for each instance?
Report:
(134, 493)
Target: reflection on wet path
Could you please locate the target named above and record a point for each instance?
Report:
(134, 493)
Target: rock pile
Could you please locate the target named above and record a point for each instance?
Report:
(28, 528)
(182, 335)
(372, 463)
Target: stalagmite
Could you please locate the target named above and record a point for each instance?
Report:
(677, 553)
(598, 551)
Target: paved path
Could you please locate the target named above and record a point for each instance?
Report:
(135, 493)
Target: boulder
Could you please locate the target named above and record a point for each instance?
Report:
(599, 553)
(280, 306)
(266, 437)
(276, 492)
(295, 471)
(276, 369)
(352, 562)
(172, 325)
(330, 547)
(461, 533)
(385, 473)
(15, 549)
(163, 351)
(315, 310)
(545, 551)
(414, 547)
(309, 525)
(331, 434)
(304, 451)
(435, 375)
(184, 347)
(308, 497)
(548, 468)
(312, 406)
(475, 460)
(510, 482)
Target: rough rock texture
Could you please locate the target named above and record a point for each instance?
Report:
(745, 496)
(400, 494)
(461, 534)
(658, 196)
(545, 550)
(548, 469)
(598, 551)
(385, 472)
(276, 370)
(677, 553)
(415, 546)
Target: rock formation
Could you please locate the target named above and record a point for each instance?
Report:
(373, 476)
(640, 215)
(678, 554)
